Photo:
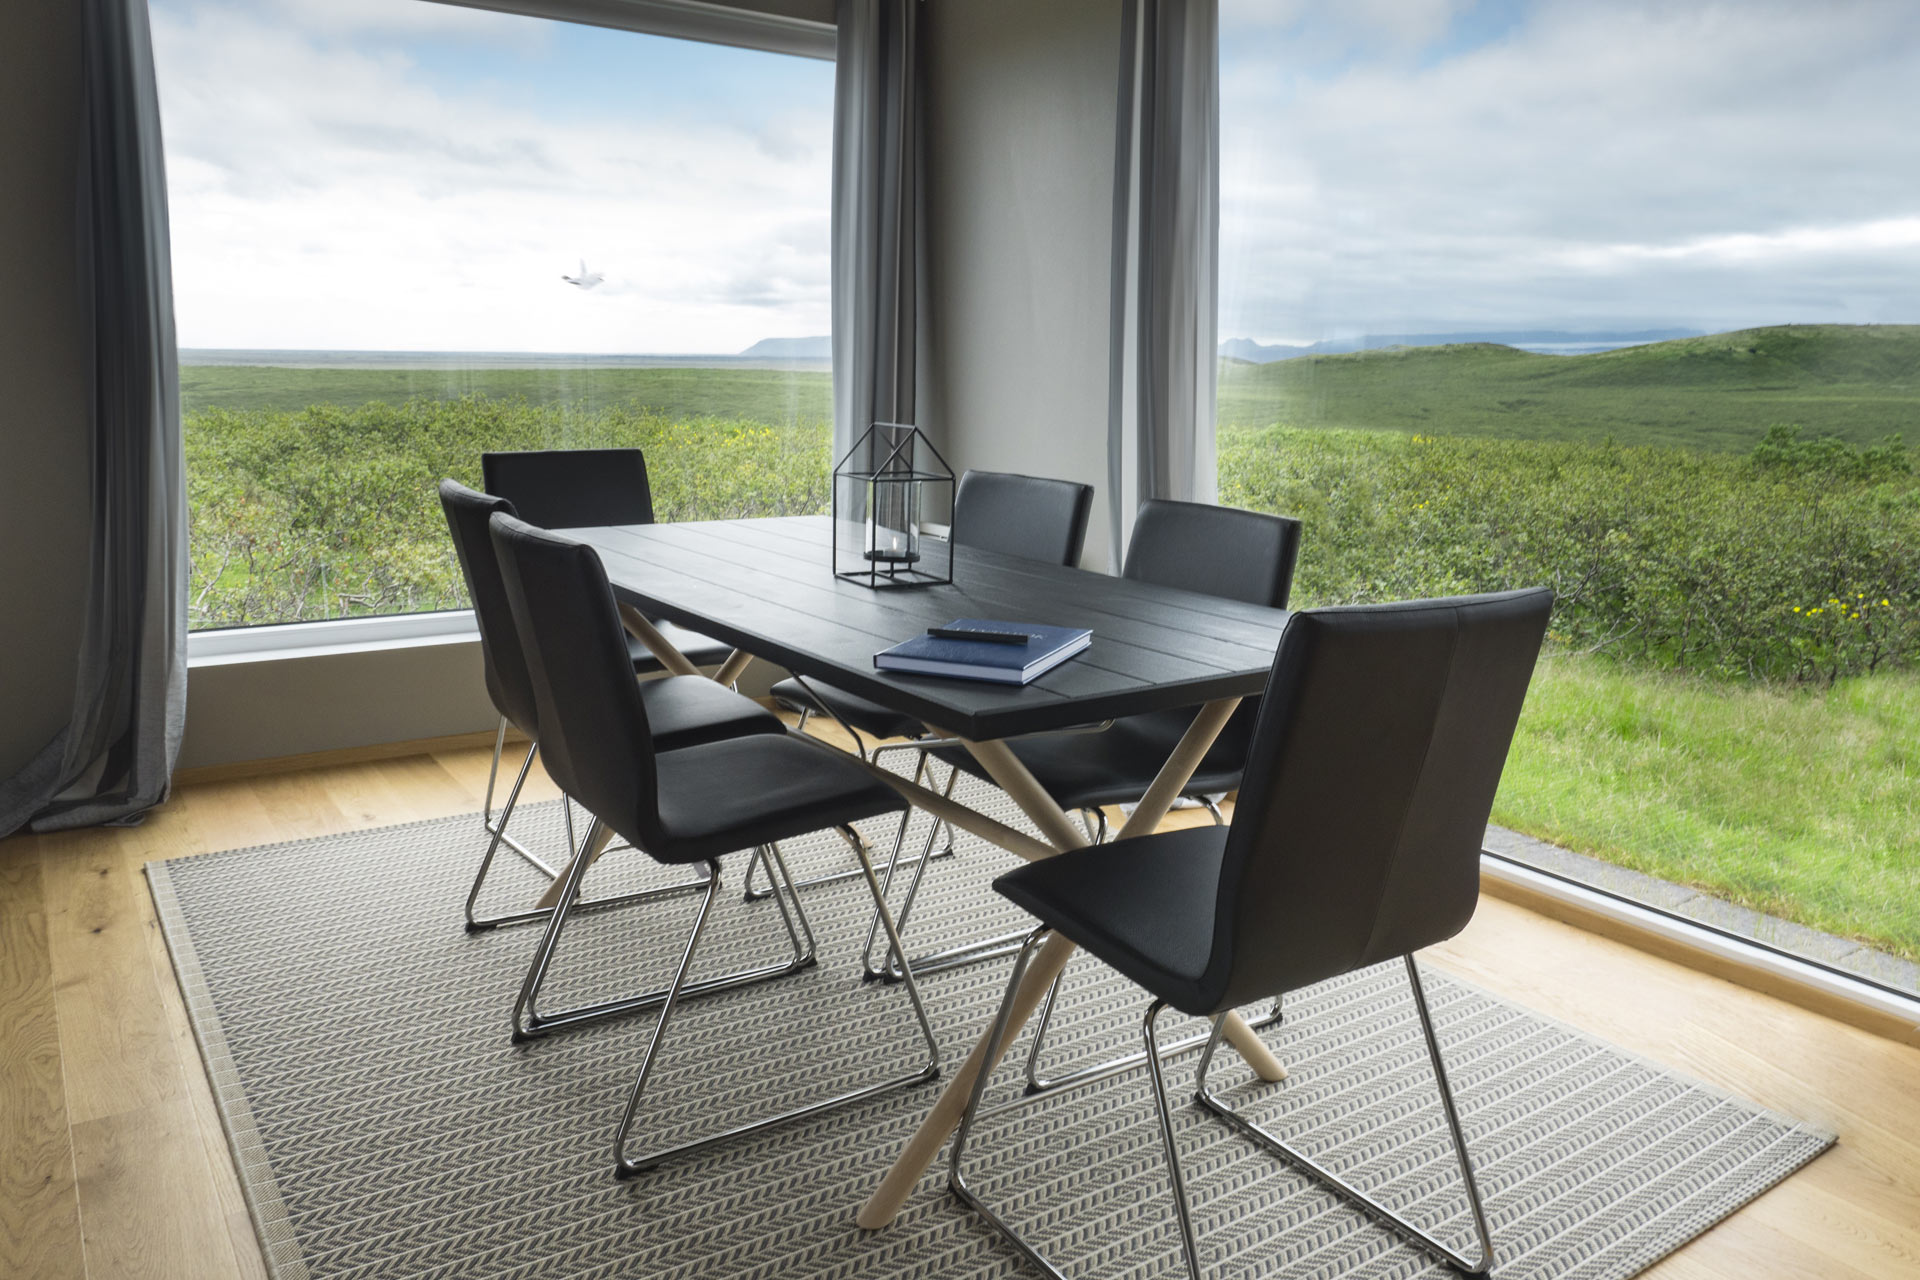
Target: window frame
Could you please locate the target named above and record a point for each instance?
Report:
(708, 23)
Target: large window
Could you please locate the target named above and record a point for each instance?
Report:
(405, 233)
(1620, 299)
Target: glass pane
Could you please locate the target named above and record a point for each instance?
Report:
(406, 233)
(1619, 299)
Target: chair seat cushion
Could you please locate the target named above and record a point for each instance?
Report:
(1115, 766)
(1143, 906)
(863, 714)
(689, 711)
(702, 651)
(743, 792)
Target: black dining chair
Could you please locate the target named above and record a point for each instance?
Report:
(1032, 517)
(685, 807)
(584, 489)
(1355, 841)
(1217, 551)
(577, 489)
(682, 710)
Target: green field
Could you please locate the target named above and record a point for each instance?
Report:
(1733, 683)
(1803, 802)
(1860, 383)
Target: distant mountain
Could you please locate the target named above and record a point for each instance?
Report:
(1547, 341)
(791, 349)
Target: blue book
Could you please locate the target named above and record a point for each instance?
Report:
(996, 660)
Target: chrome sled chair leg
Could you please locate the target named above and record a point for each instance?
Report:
(1151, 1054)
(497, 833)
(530, 1024)
(627, 1166)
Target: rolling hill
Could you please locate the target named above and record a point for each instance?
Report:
(1859, 382)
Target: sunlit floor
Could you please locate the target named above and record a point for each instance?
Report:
(114, 1163)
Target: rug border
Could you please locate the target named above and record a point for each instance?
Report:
(259, 1187)
(272, 1224)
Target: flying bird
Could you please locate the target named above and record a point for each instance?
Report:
(586, 279)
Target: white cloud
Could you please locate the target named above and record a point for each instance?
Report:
(1588, 166)
(327, 192)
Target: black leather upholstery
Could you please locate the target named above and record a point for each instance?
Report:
(1357, 834)
(583, 488)
(691, 711)
(501, 659)
(750, 791)
(863, 714)
(686, 805)
(572, 488)
(1219, 551)
(1027, 516)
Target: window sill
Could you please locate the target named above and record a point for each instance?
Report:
(329, 638)
(1837, 995)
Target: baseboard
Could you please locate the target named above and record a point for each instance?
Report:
(1799, 982)
(344, 755)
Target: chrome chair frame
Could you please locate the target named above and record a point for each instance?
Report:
(627, 1166)
(852, 837)
(530, 1024)
(498, 836)
(1094, 820)
(1203, 1096)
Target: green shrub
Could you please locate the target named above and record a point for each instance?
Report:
(329, 512)
(1803, 568)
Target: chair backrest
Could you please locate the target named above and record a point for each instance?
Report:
(572, 488)
(501, 657)
(594, 737)
(1356, 836)
(1217, 551)
(1028, 516)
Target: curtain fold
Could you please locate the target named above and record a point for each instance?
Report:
(877, 242)
(1166, 232)
(114, 759)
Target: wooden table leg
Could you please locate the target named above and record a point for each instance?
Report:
(1013, 777)
(676, 662)
(730, 669)
(591, 851)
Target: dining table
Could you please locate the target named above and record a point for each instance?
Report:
(766, 587)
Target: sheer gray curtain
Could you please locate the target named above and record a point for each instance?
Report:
(115, 757)
(876, 215)
(1166, 232)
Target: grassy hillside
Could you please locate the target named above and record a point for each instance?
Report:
(1858, 382)
(762, 395)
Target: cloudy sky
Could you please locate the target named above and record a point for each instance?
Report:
(399, 175)
(1433, 166)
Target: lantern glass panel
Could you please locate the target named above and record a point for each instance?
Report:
(885, 491)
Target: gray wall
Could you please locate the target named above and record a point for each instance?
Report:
(43, 436)
(1021, 101)
(289, 706)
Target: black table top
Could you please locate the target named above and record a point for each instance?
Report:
(767, 586)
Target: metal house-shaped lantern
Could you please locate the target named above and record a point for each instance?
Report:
(888, 485)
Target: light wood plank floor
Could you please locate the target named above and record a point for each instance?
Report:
(113, 1163)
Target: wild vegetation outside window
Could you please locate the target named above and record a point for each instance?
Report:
(1619, 299)
(405, 233)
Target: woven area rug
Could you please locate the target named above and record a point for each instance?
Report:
(383, 1125)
